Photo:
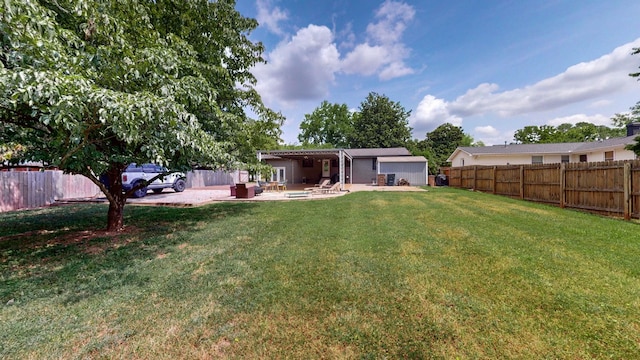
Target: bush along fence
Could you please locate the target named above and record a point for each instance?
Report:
(611, 188)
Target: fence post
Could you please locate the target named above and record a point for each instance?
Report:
(493, 180)
(627, 191)
(563, 185)
(521, 182)
(475, 177)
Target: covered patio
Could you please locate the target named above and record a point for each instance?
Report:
(304, 168)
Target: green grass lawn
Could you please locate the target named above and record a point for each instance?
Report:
(442, 274)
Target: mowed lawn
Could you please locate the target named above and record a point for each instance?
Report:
(441, 274)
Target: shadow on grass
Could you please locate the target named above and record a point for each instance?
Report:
(64, 253)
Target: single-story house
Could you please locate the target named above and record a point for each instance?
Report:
(348, 166)
(516, 154)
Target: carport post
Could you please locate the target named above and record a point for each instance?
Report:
(341, 168)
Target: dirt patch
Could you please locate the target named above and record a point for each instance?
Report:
(65, 237)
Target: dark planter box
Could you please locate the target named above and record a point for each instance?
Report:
(245, 192)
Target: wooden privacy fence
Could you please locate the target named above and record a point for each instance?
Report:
(611, 187)
(33, 189)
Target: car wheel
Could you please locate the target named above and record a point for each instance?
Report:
(179, 185)
(158, 191)
(140, 192)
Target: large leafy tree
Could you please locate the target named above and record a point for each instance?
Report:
(90, 86)
(328, 124)
(380, 123)
(443, 141)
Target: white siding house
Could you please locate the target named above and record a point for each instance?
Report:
(515, 154)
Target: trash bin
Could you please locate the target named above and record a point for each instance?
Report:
(233, 190)
(441, 180)
(391, 179)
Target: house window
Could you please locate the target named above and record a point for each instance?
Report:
(279, 174)
(462, 162)
(564, 158)
(536, 159)
(583, 158)
(608, 156)
(374, 164)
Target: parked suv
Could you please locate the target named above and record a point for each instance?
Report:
(134, 174)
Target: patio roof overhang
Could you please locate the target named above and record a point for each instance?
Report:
(340, 154)
(298, 154)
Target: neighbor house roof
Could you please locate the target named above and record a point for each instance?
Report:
(555, 148)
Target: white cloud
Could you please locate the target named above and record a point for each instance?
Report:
(347, 36)
(394, 70)
(494, 138)
(597, 119)
(600, 103)
(270, 18)
(488, 130)
(585, 81)
(300, 69)
(383, 52)
(365, 60)
(393, 18)
(430, 113)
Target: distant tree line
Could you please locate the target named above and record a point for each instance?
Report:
(378, 123)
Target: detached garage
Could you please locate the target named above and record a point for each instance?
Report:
(414, 169)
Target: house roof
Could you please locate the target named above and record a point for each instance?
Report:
(353, 153)
(555, 148)
(402, 159)
(277, 154)
(378, 152)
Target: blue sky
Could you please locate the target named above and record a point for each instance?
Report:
(491, 67)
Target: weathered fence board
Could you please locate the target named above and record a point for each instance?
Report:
(608, 187)
(202, 178)
(33, 189)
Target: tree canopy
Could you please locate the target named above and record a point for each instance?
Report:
(563, 133)
(91, 86)
(380, 123)
(328, 124)
(443, 141)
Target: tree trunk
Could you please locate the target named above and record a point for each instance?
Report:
(115, 217)
(117, 199)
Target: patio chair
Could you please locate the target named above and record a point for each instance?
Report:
(329, 190)
(322, 185)
(282, 185)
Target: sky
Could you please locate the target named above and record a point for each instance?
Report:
(491, 67)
